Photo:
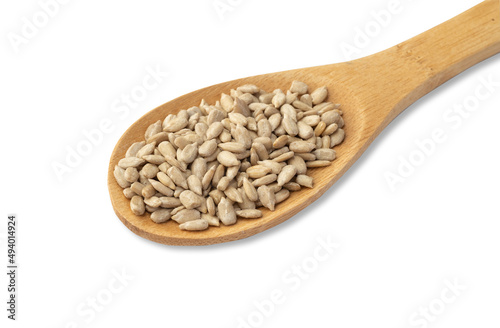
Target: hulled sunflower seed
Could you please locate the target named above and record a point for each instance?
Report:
(330, 129)
(160, 216)
(186, 215)
(161, 188)
(189, 153)
(337, 137)
(131, 174)
(292, 186)
(282, 195)
(325, 154)
(233, 194)
(302, 146)
(137, 205)
(146, 150)
(137, 187)
(267, 197)
(194, 185)
(211, 208)
(304, 180)
(227, 159)
(284, 157)
(129, 193)
(119, 174)
(226, 212)
(148, 191)
(166, 180)
(130, 162)
(211, 219)
(170, 202)
(249, 214)
(257, 171)
(299, 87)
(154, 159)
(134, 148)
(157, 138)
(299, 164)
(319, 95)
(153, 201)
(175, 174)
(313, 164)
(233, 147)
(195, 225)
(189, 199)
(265, 180)
(287, 173)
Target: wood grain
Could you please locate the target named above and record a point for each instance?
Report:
(372, 90)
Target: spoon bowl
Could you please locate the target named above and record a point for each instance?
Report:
(372, 91)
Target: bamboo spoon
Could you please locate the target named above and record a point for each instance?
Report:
(372, 90)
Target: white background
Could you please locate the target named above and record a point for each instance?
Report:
(397, 248)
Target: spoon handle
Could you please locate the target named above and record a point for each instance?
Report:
(421, 64)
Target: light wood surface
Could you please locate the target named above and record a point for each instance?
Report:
(372, 90)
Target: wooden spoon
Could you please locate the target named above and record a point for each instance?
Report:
(372, 91)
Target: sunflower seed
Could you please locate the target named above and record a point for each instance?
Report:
(304, 180)
(249, 214)
(130, 162)
(226, 213)
(313, 164)
(129, 193)
(211, 206)
(233, 147)
(148, 191)
(186, 215)
(189, 199)
(153, 201)
(134, 148)
(160, 216)
(282, 195)
(161, 188)
(157, 138)
(337, 137)
(175, 174)
(211, 219)
(257, 171)
(287, 173)
(195, 225)
(284, 157)
(302, 146)
(146, 150)
(119, 174)
(299, 87)
(265, 180)
(170, 202)
(319, 95)
(137, 205)
(233, 194)
(267, 197)
(325, 154)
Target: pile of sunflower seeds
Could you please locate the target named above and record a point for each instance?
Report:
(213, 163)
